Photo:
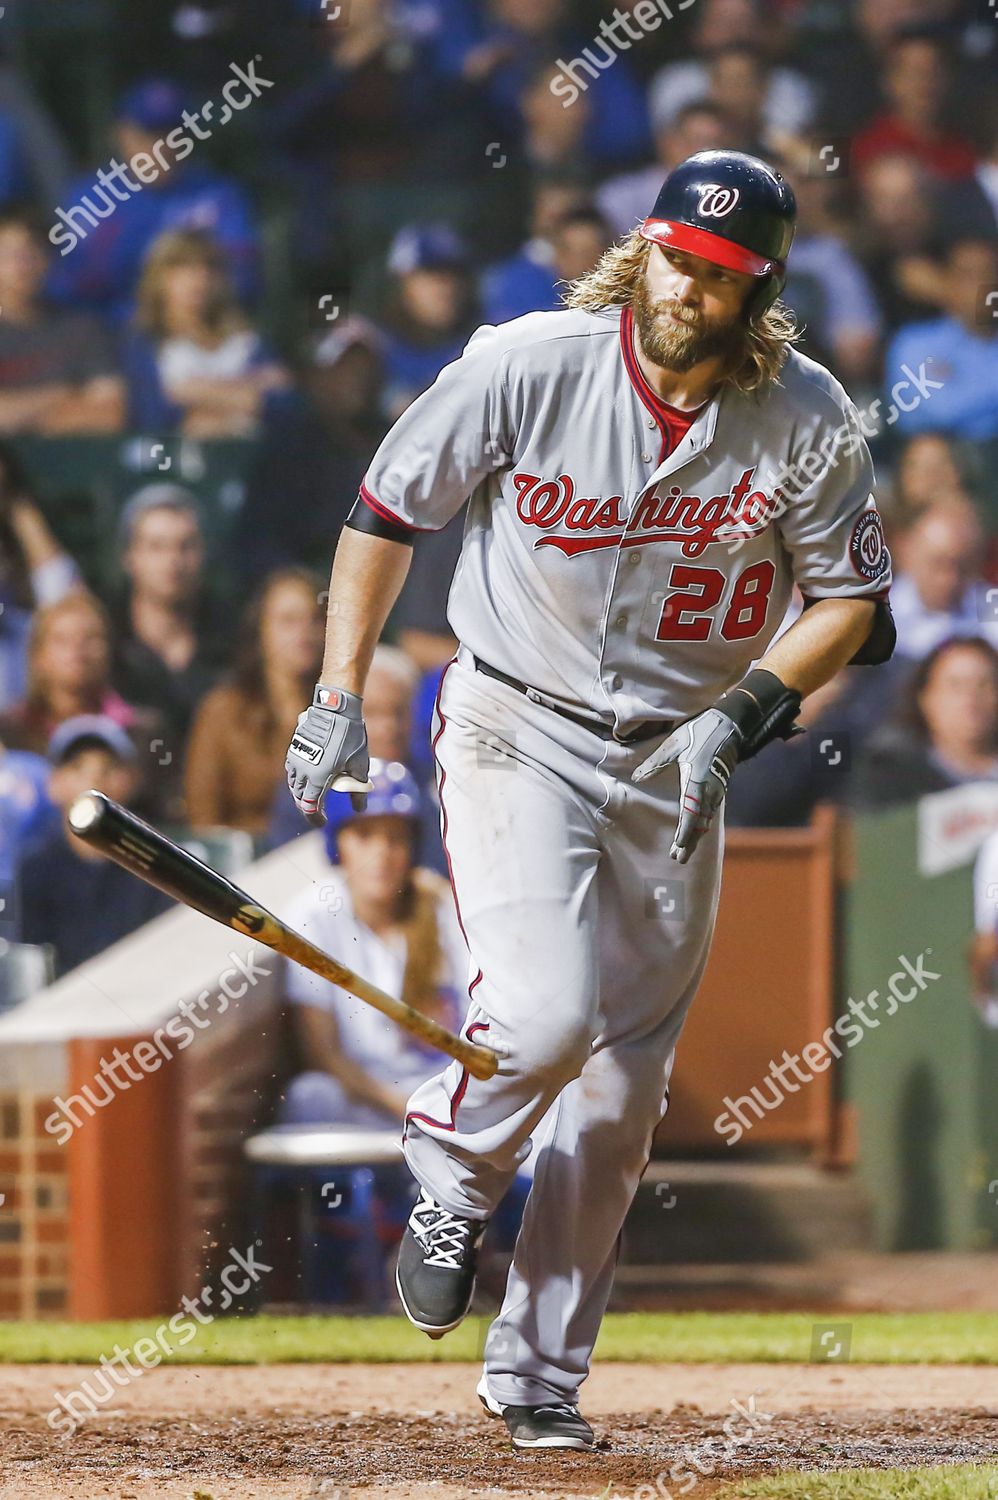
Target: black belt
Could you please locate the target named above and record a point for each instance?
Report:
(605, 731)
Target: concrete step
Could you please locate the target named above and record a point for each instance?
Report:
(730, 1213)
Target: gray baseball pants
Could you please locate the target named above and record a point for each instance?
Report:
(587, 945)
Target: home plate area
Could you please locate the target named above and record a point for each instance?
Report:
(412, 1432)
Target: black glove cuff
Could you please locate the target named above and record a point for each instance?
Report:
(762, 708)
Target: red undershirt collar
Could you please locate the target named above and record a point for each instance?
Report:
(673, 422)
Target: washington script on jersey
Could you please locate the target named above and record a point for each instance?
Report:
(590, 523)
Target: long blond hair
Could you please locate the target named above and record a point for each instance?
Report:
(424, 949)
(186, 247)
(612, 281)
(78, 601)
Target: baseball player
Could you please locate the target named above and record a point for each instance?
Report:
(648, 473)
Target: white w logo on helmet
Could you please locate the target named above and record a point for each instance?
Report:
(717, 201)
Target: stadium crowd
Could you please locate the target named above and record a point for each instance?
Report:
(286, 287)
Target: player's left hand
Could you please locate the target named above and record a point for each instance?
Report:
(705, 749)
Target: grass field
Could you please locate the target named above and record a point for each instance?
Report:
(961, 1482)
(697, 1337)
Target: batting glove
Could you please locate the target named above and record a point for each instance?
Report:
(706, 751)
(329, 745)
(709, 746)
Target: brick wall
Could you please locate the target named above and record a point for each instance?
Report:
(227, 1093)
(34, 1222)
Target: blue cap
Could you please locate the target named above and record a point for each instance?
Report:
(427, 247)
(89, 727)
(394, 794)
(154, 103)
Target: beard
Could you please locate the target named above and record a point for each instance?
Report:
(678, 346)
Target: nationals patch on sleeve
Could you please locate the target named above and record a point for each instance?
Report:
(867, 548)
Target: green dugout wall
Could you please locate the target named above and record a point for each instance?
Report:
(924, 1082)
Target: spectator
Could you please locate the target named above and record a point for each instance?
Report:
(554, 125)
(103, 239)
(954, 358)
(429, 314)
(293, 513)
(194, 361)
(396, 924)
(918, 84)
(15, 635)
(787, 100)
(57, 372)
(699, 126)
(235, 754)
(937, 591)
(69, 658)
(388, 695)
(69, 894)
(502, 51)
(927, 472)
(856, 55)
(945, 732)
(34, 569)
(393, 712)
(901, 228)
(737, 83)
(578, 240)
(171, 640)
(367, 115)
(843, 318)
(34, 162)
(26, 816)
(909, 219)
(524, 281)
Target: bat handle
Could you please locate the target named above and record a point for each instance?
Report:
(346, 783)
(481, 1062)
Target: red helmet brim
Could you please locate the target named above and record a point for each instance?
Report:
(709, 246)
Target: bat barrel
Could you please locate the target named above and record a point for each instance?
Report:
(149, 854)
(153, 857)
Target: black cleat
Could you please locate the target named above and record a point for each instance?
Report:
(435, 1275)
(556, 1425)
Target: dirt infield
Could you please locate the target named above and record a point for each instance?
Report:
(417, 1432)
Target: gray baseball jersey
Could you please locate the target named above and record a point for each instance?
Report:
(632, 578)
(604, 571)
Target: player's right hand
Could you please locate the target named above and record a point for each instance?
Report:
(330, 742)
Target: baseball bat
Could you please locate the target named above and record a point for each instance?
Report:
(149, 854)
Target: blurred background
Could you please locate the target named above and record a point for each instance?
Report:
(237, 239)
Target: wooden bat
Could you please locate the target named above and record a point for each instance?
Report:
(149, 854)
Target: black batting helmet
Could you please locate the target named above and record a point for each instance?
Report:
(731, 209)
